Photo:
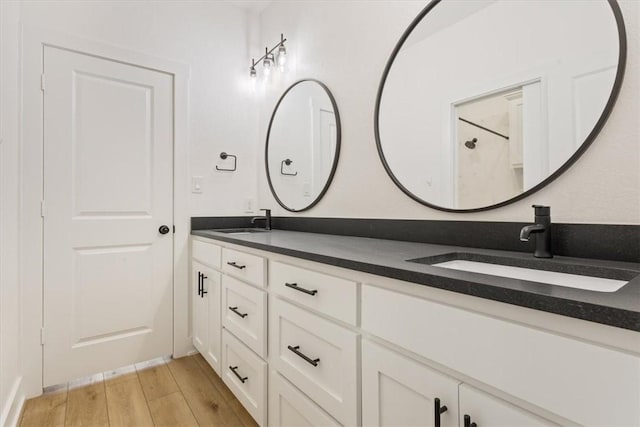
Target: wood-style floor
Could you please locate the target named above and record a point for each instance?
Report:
(182, 392)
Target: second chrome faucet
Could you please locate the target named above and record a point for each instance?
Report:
(542, 230)
(266, 218)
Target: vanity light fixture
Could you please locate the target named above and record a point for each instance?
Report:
(269, 59)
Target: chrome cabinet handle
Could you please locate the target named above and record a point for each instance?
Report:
(468, 423)
(234, 369)
(235, 310)
(306, 358)
(233, 264)
(202, 291)
(298, 288)
(438, 409)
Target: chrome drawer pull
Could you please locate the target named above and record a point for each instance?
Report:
(235, 310)
(314, 362)
(233, 264)
(241, 378)
(297, 288)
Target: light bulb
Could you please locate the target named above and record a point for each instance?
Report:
(282, 56)
(252, 72)
(267, 66)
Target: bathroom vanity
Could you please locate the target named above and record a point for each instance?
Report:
(313, 329)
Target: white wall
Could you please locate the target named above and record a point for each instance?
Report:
(346, 45)
(209, 37)
(10, 367)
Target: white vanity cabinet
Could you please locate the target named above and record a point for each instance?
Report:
(318, 345)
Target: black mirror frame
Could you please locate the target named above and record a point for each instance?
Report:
(336, 155)
(615, 91)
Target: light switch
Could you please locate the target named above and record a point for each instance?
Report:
(248, 204)
(306, 189)
(196, 184)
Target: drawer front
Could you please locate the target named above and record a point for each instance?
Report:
(250, 268)
(244, 313)
(562, 375)
(330, 295)
(246, 376)
(317, 356)
(206, 253)
(288, 406)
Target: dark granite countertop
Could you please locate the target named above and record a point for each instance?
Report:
(388, 258)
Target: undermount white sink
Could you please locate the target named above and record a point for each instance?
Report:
(589, 283)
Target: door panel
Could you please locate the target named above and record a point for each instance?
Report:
(108, 186)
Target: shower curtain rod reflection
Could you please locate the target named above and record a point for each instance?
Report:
(483, 128)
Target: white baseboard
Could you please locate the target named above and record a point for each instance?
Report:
(12, 408)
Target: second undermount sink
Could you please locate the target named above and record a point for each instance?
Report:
(551, 272)
(240, 230)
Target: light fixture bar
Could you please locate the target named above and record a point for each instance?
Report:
(268, 54)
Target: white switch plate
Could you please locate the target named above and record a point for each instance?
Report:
(196, 184)
(248, 204)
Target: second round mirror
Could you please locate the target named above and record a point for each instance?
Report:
(303, 145)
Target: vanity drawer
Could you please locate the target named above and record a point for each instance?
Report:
(330, 295)
(244, 312)
(288, 406)
(246, 375)
(560, 374)
(317, 356)
(206, 253)
(250, 268)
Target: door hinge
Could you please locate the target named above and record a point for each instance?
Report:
(42, 208)
(174, 229)
(42, 82)
(42, 336)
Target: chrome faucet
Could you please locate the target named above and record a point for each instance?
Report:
(542, 228)
(266, 218)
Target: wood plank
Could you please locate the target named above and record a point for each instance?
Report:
(245, 418)
(87, 406)
(157, 382)
(45, 411)
(205, 401)
(172, 410)
(126, 403)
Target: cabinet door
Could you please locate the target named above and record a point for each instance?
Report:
(206, 313)
(200, 309)
(211, 284)
(485, 410)
(398, 391)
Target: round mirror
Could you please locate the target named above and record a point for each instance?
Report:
(303, 145)
(484, 102)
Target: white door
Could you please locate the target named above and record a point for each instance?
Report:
(398, 391)
(108, 173)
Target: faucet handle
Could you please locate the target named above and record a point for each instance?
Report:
(542, 210)
(268, 211)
